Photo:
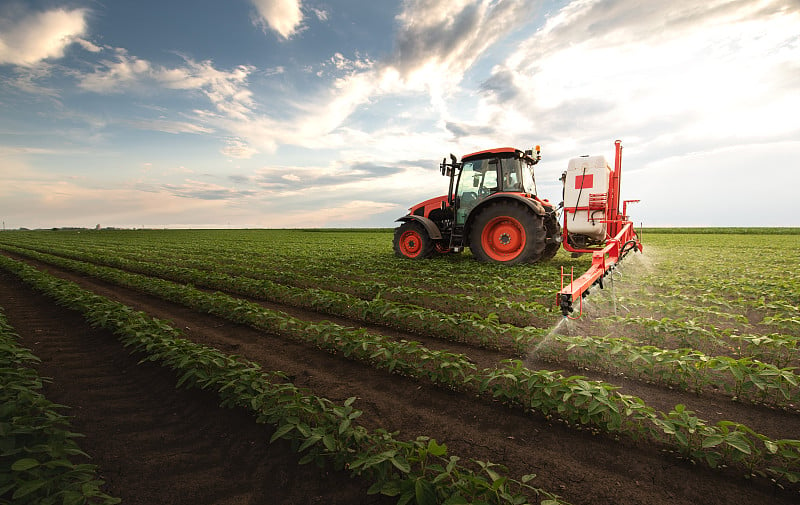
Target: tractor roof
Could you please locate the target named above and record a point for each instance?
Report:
(487, 152)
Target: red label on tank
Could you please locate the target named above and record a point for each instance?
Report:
(584, 181)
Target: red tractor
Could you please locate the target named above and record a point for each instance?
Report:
(492, 207)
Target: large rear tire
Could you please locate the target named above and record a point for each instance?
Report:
(411, 240)
(508, 233)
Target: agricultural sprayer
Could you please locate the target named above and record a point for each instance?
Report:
(492, 207)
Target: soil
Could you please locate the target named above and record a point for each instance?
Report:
(155, 444)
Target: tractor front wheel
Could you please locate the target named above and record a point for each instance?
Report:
(508, 233)
(411, 240)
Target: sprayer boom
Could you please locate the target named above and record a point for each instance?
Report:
(603, 263)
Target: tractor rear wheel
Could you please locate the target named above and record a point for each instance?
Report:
(508, 233)
(411, 240)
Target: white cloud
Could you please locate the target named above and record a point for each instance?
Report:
(321, 14)
(167, 126)
(706, 70)
(27, 38)
(227, 91)
(283, 16)
(116, 76)
(236, 148)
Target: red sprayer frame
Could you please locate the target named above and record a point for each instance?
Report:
(621, 238)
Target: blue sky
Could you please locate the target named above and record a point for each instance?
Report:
(306, 113)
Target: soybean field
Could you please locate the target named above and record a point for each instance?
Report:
(314, 366)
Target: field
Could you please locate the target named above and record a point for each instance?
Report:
(307, 366)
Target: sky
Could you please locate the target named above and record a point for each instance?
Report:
(336, 113)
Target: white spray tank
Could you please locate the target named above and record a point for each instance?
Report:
(586, 185)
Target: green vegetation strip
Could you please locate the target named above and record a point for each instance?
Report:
(573, 399)
(745, 379)
(36, 446)
(482, 329)
(322, 431)
(467, 327)
(519, 313)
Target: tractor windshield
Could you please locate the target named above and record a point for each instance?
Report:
(516, 176)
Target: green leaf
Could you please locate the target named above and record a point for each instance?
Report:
(436, 449)
(772, 447)
(401, 464)
(329, 442)
(281, 431)
(712, 441)
(425, 492)
(313, 439)
(738, 442)
(24, 464)
(28, 488)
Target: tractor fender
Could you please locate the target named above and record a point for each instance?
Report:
(430, 226)
(532, 204)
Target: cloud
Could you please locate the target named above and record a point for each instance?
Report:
(673, 71)
(236, 148)
(167, 126)
(206, 191)
(111, 77)
(334, 177)
(226, 90)
(468, 130)
(27, 38)
(283, 16)
(436, 42)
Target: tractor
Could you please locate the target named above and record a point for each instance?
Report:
(493, 208)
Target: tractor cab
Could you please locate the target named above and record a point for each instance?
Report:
(485, 173)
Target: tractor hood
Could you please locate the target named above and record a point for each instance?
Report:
(425, 208)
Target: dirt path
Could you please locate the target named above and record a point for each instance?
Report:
(585, 469)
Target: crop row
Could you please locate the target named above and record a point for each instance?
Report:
(324, 432)
(467, 327)
(581, 402)
(779, 348)
(743, 378)
(38, 450)
(201, 268)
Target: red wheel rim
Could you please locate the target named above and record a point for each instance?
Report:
(411, 243)
(503, 238)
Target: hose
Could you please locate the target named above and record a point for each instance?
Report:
(633, 243)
